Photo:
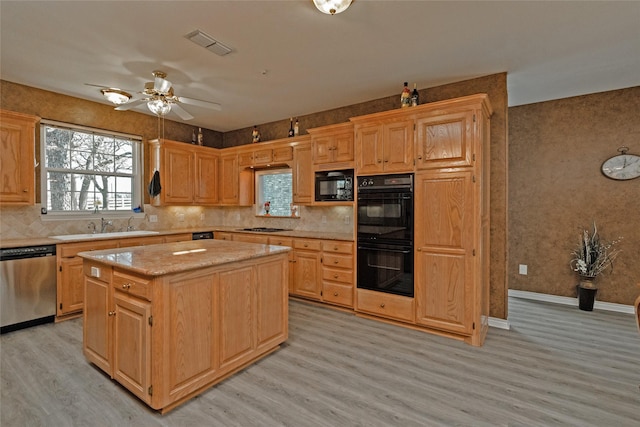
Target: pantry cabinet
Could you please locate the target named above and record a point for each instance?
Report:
(17, 158)
(445, 140)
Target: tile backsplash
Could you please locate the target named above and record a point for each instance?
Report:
(26, 221)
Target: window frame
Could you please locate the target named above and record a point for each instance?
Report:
(137, 186)
(259, 208)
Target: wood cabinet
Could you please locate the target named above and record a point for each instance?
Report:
(168, 338)
(302, 175)
(265, 154)
(236, 185)
(188, 173)
(337, 273)
(384, 146)
(17, 158)
(332, 146)
(445, 140)
(307, 271)
(70, 277)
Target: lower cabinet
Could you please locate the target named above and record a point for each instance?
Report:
(307, 271)
(70, 277)
(200, 325)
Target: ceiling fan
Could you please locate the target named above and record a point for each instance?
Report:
(159, 97)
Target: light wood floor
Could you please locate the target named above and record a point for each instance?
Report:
(557, 366)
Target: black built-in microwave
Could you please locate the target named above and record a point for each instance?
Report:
(334, 186)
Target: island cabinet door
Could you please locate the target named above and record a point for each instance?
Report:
(97, 326)
(236, 340)
(271, 303)
(132, 344)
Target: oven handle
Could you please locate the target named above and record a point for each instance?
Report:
(372, 248)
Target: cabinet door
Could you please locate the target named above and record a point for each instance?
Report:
(322, 149)
(229, 180)
(250, 238)
(369, 155)
(303, 176)
(262, 157)
(282, 154)
(17, 171)
(445, 140)
(132, 344)
(271, 303)
(398, 146)
(237, 337)
(177, 184)
(343, 148)
(70, 286)
(444, 257)
(96, 323)
(206, 179)
(307, 274)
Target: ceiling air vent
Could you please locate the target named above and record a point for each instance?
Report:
(206, 41)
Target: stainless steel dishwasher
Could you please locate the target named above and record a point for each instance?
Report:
(27, 286)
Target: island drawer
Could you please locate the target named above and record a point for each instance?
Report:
(133, 285)
(337, 294)
(386, 305)
(339, 247)
(308, 244)
(338, 261)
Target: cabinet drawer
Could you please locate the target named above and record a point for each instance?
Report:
(251, 238)
(141, 241)
(171, 238)
(338, 294)
(386, 305)
(221, 235)
(337, 261)
(337, 247)
(71, 250)
(281, 241)
(311, 245)
(133, 285)
(344, 276)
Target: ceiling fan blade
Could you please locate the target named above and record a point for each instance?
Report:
(162, 85)
(130, 105)
(200, 103)
(181, 112)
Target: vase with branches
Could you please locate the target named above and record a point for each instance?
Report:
(593, 256)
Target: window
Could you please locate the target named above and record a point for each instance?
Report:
(274, 186)
(89, 170)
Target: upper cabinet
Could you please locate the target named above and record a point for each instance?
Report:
(332, 146)
(384, 145)
(17, 158)
(444, 139)
(302, 174)
(265, 155)
(188, 173)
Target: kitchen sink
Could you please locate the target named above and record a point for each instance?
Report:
(264, 229)
(113, 235)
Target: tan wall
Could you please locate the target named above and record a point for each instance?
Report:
(556, 149)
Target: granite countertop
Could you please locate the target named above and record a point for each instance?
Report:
(33, 241)
(167, 258)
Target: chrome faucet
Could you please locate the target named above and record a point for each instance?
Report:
(92, 227)
(129, 226)
(104, 224)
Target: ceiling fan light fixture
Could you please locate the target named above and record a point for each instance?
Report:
(331, 7)
(116, 96)
(159, 106)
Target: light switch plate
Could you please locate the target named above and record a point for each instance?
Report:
(95, 272)
(522, 269)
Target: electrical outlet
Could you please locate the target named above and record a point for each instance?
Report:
(522, 269)
(323, 219)
(347, 220)
(180, 217)
(153, 218)
(201, 217)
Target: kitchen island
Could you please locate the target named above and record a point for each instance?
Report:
(168, 321)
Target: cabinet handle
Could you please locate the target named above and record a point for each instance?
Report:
(335, 294)
(126, 286)
(386, 161)
(419, 249)
(335, 276)
(112, 313)
(25, 191)
(335, 248)
(381, 305)
(306, 246)
(379, 161)
(336, 262)
(419, 157)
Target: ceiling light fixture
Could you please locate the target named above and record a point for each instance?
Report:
(116, 95)
(159, 106)
(331, 7)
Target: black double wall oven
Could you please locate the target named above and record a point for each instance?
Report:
(385, 233)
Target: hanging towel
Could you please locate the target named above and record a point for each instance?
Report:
(154, 185)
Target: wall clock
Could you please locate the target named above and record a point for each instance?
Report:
(623, 166)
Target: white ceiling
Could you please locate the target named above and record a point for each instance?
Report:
(289, 59)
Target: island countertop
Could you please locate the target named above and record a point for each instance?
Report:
(167, 258)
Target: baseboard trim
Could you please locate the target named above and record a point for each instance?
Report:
(495, 322)
(556, 299)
